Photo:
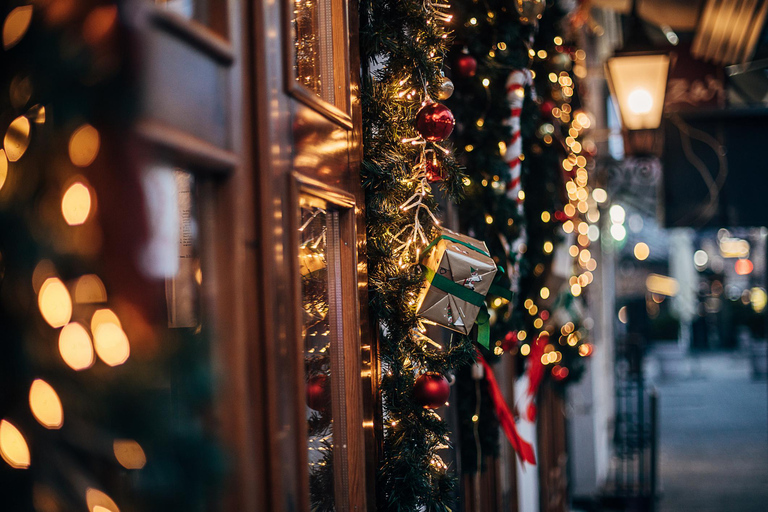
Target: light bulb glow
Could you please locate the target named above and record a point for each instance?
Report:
(640, 101)
(618, 232)
(111, 344)
(45, 405)
(700, 258)
(75, 347)
(13, 446)
(76, 204)
(617, 213)
(55, 303)
(98, 501)
(642, 251)
(129, 453)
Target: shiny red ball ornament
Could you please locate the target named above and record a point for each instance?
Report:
(431, 390)
(319, 392)
(434, 122)
(466, 65)
(510, 340)
(434, 173)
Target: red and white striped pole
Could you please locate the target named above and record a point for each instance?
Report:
(516, 83)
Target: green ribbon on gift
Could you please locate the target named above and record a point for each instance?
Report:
(495, 289)
(470, 296)
(483, 323)
(499, 290)
(455, 289)
(456, 240)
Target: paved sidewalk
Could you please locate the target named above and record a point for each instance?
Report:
(714, 438)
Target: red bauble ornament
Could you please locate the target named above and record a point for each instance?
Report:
(434, 173)
(431, 390)
(546, 108)
(319, 392)
(510, 340)
(559, 372)
(466, 65)
(434, 122)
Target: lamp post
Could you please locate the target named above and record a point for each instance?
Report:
(637, 77)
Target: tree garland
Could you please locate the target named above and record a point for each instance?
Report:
(492, 35)
(559, 207)
(523, 240)
(403, 44)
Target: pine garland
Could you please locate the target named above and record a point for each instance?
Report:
(403, 44)
(493, 35)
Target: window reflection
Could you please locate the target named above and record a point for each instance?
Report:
(184, 7)
(318, 348)
(199, 10)
(183, 289)
(172, 249)
(313, 32)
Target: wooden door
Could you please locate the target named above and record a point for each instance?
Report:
(251, 109)
(194, 124)
(312, 277)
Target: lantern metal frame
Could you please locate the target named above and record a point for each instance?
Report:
(645, 140)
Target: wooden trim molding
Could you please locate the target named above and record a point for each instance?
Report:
(341, 67)
(331, 194)
(194, 33)
(186, 149)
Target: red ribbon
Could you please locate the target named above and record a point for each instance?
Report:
(523, 448)
(535, 373)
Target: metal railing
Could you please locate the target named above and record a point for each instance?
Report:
(634, 482)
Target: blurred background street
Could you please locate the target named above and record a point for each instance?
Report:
(714, 441)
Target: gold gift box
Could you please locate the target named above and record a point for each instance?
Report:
(459, 272)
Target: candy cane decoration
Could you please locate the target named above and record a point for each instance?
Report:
(516, 83)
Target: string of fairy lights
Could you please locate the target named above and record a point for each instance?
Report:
(565, 128)
(86, 329)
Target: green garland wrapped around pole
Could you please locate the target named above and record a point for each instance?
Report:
(489, 139)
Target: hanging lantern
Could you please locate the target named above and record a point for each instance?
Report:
(637, 77)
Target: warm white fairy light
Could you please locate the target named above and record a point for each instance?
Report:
(414, 234)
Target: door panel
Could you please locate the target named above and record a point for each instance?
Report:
(317, 57)
(185, 88)
(194, 66)
(309, 158)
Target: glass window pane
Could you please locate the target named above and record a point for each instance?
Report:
(314, 55)
(317, 344)
(322, 343)
(171, 250)
(182, 290)
(198, 10)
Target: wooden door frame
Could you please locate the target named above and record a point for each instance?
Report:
(345, 202)
(229, 289)
(341, 45)
(274, 109)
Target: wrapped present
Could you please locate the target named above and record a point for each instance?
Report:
(459, 273)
